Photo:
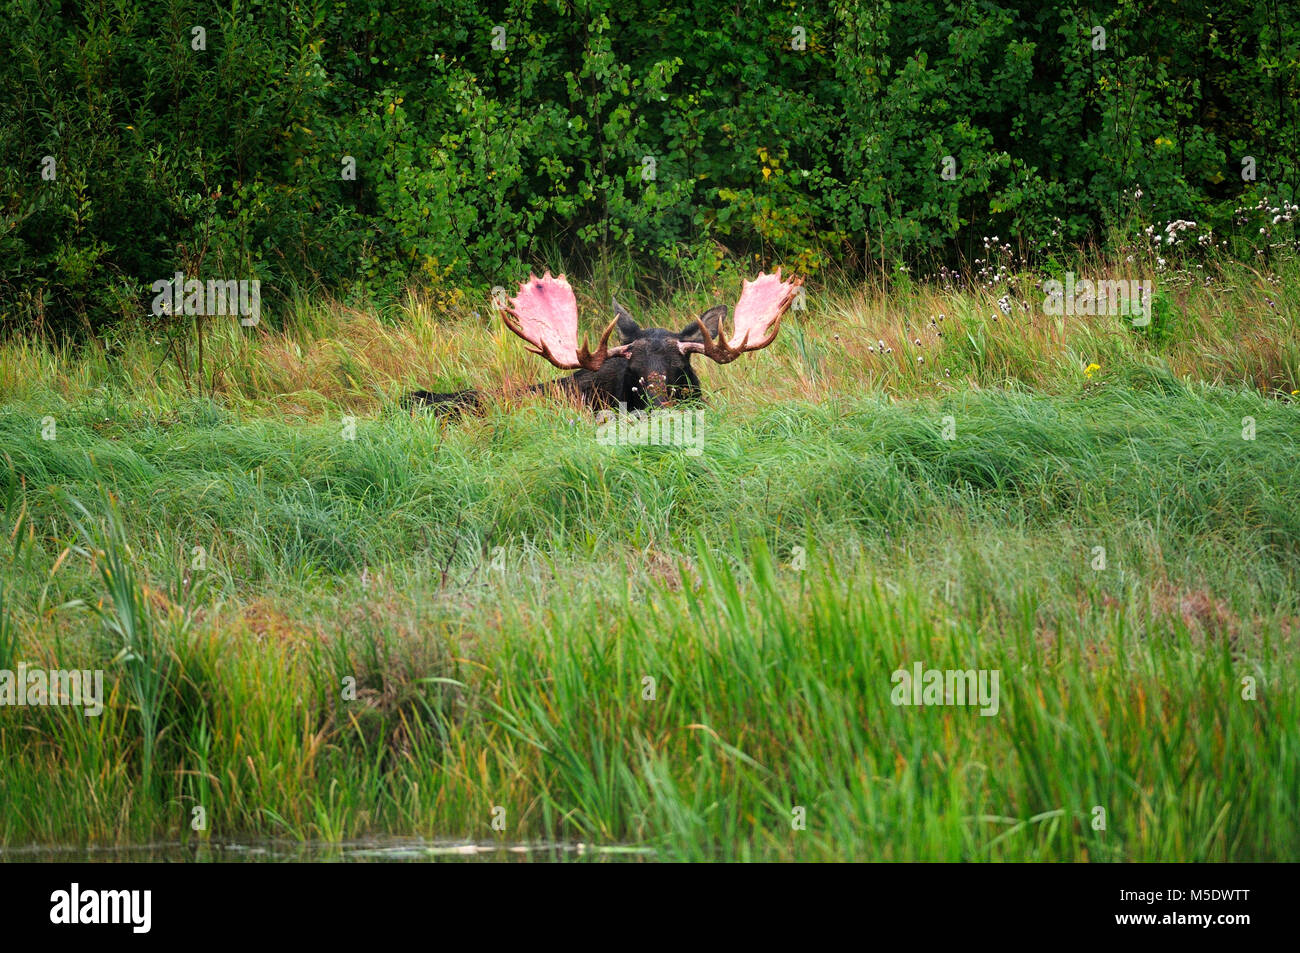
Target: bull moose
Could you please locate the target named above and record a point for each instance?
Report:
(650, 368)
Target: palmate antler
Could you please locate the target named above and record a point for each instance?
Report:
(545, 315)
(755, 321)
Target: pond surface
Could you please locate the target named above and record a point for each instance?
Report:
(385, 850)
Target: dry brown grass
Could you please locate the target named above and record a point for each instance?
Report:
(331, 357)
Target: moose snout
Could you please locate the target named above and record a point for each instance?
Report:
(655, 387)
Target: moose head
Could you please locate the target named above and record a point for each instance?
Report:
(650, 366)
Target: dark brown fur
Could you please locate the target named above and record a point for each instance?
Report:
(655, 372)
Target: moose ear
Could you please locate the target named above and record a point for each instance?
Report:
(626, 326)
(711, 318)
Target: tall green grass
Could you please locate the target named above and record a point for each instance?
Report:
(321, 629)
(769, 587)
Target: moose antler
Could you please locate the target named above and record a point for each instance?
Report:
(755, 321)
(545, 315)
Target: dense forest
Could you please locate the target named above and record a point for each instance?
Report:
(359, 147)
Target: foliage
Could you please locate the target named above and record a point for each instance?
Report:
(488, 138)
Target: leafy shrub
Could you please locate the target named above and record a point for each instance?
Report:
(366, 146)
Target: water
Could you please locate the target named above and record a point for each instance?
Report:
(379, 850)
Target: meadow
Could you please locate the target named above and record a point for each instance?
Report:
(323, 618)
